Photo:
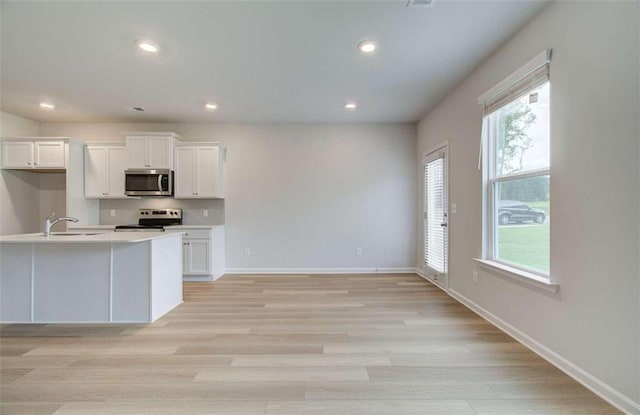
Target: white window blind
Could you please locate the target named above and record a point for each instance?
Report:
(531, 75)
(435, 215)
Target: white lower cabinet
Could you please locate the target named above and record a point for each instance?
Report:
(197, 257)
(202, 252)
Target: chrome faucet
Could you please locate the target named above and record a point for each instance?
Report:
(48, 223)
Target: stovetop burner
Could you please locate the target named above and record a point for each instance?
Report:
(153, 220)
(139, 228)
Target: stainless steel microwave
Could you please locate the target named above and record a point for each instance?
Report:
(148, 182)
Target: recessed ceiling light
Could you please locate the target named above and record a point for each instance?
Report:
(211, 106)
(350, 106)
(367, 46)
(47, 106)
(147, 46)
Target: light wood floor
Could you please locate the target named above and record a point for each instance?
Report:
(338, 345)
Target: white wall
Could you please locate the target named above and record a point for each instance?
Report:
(19, 210)
(594, 322)
(305, 196)
(52, 189)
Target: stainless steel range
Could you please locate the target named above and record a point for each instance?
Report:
(153, 220)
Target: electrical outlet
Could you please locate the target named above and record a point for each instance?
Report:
(205, 212)
(454, 208)
(475, 277)
(112, 213)
(247, 251)
(358, 251)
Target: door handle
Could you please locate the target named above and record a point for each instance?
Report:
(160, 182)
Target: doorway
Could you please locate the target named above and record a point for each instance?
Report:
(435, 216)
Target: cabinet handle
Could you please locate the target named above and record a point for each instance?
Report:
(28, 163)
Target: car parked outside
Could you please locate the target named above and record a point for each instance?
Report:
(513, 211)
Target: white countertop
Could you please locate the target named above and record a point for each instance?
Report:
(66, 237)
(193, 226)
(106, 227)
(76, 227)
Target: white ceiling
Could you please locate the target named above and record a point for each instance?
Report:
(261, 61)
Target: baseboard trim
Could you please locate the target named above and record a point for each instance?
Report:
(595, 385)
(405, 270)
(305, 271)
(197, 278)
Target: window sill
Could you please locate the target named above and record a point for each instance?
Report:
(519, 275)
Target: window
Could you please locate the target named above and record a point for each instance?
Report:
(517, 171)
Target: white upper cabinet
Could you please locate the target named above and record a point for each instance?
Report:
(49, 154)
(17, 154)
(199, 171)
(150, 151)
(96, 183)
(208, 172)
(185, 173)
(160, 152)
(117, 161)
(137, 152)
(24, 154)
(104, 172)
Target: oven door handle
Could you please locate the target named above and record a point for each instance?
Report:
(160, 182)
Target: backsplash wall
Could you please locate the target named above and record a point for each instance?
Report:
(126, 210)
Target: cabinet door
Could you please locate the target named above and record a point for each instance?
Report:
(185, 257)
(117, 161)
(95, 172)
(137, 153)
(160, 153)
(184, 178)
(17, 154)
(49, 154)
(198, 257)
(208, 172)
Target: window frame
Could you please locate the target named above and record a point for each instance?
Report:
(490, 180)
(523, 81)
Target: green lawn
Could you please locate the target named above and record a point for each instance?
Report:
(525, 245)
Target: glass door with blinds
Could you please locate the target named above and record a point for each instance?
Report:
(435, 216)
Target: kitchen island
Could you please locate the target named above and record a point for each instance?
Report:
(116, 277)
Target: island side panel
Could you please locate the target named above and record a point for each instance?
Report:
(131, 279)
(15, 283)
(166, 275)
(218, 252)
(71, 282)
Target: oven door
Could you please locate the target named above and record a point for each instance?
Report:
(148, 182)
